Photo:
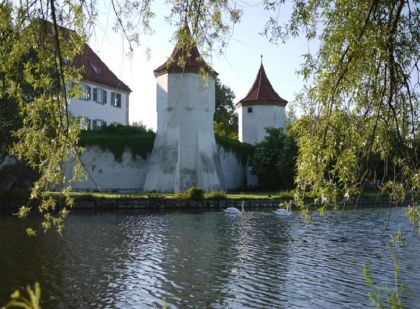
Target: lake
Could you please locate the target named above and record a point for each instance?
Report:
(135, 259)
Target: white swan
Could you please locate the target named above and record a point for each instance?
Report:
(283, 212)
(234, 210)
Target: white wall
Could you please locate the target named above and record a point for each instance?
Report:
(106, 112)
(252, 125)
(129, 174)
(234, 172)
(185, 152)
(111, 175)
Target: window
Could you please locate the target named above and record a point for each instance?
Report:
(97, 123)
(84, 123)
(95, 69)
(85, 92)
(116, 99)
(249, 109)
(99, 95)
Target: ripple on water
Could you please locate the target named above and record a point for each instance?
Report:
(209, 260)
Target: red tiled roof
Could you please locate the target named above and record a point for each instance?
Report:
(193, 61)
(93, 68)
(262, 93)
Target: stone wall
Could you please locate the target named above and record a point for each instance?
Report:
(128, 175)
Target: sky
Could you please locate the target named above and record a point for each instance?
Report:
(237, 68)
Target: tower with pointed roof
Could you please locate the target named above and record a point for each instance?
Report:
(261, 108)
(185, 153)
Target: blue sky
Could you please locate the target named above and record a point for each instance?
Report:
(237, 68)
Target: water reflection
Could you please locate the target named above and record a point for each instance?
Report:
(208, 260)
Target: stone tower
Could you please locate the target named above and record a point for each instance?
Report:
(184, 153)
(261, 108)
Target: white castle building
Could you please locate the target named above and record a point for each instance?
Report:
(104, 99)
(185, 152)
(261, 108)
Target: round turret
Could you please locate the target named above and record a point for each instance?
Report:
(261, 108)
(185, 153)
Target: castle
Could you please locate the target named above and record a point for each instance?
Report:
(185, 153)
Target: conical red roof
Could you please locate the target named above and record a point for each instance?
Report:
(193, 61)
(262, 93)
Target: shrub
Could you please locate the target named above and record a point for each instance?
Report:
(215, 195)
(117, 138)
(195, 193)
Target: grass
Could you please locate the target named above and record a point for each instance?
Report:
(368, 196)
(174, 196)
(255, 195)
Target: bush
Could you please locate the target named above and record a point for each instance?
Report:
(195, 194)
(274, 160)
(117, 138)
(215, 195)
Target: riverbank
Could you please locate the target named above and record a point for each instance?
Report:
(212, 200)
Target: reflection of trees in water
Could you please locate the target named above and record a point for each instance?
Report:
(74, 267)
(215, 259)
(102, 259)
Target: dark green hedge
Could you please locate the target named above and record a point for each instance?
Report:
(242, 150)
(116, 138)
(140, 141)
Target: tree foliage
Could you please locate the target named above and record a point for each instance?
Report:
(274, 160)
(35, 77)
(362, 97)
(225, 116)
(362, 94)
(33, 80)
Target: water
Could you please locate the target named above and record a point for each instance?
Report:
(209, 260)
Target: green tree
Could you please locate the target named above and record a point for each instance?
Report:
(33, 80)
(362, 95)
(10, 120)
(274, 160)
(225, 116)
(47, 138)
(362, 89)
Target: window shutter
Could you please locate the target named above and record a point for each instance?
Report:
(104, 96)
(95, 94)
(88, 92)
(118, 103)
(112, 98)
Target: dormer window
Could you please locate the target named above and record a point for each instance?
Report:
(95, 69)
